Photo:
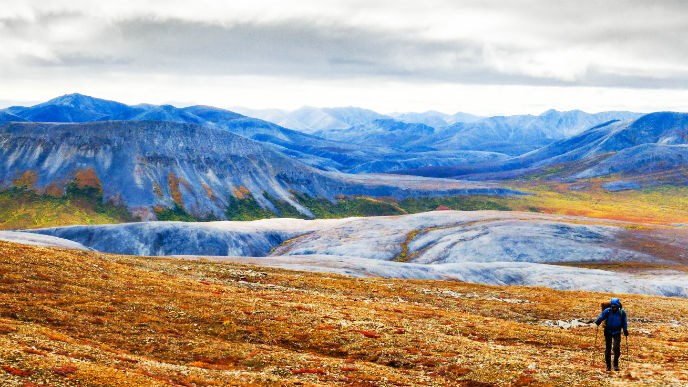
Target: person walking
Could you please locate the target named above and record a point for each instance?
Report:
(615, 321)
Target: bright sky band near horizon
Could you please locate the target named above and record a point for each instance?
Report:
(482, 57)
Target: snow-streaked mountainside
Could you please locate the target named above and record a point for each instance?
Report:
(384, 132)
(513, 135)
(519, 134)
(314, 151)
(652, 144)
(70, 108)
(435, 119)
(579, 144)
(483, 246)
(147, 163)
(311, 119)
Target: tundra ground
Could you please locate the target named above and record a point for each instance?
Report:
(72, 317)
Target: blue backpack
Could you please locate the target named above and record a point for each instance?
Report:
(608, 304)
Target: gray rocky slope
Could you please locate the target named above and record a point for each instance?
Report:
(142, 164)
(484, 246)
(345, 156)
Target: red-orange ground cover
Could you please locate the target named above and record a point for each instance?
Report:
(71, 318)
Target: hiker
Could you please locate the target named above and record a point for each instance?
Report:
(615, 318)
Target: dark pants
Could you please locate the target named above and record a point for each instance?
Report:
(608, 338)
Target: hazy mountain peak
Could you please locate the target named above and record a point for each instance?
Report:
(81, 101)
(68, 99)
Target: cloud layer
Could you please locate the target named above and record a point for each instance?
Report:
(618, 44)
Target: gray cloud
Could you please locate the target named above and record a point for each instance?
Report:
(618, 44)
(289, 48)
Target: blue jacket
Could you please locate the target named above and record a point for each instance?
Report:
(616, 321)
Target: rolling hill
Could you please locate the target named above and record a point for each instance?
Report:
(489, 247)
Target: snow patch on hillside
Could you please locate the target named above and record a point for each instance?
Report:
(489, 247)
(28, 238)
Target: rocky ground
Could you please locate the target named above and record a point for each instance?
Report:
(74, 317)
(487, 247)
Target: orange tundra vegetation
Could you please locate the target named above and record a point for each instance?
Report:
(658, 205)
(241, 192)
(85, 178)
(81, 318)
(26, 180)
(173, 182)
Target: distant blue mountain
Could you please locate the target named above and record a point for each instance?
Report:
(383, 132)
(376, 155)
(435, 119)
(71, 108)
(663, 128)
(580, 145)
(519, 134)
(512, 135)
(213, 114)
(652, 148)
(311, 119)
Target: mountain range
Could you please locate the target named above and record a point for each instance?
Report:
(649, 150)
(511, 135)
(348, 139)
(268, 159)
(315, 151)
(149, 164)
(311, 119)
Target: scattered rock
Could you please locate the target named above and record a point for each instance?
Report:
(575, 323)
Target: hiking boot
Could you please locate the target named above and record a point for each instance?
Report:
(616, 368)
(609, 369)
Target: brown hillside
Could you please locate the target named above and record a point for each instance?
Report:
(72, 318)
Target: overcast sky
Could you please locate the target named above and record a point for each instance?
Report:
(484, 57)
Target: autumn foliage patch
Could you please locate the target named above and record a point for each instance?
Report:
(16, 371)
